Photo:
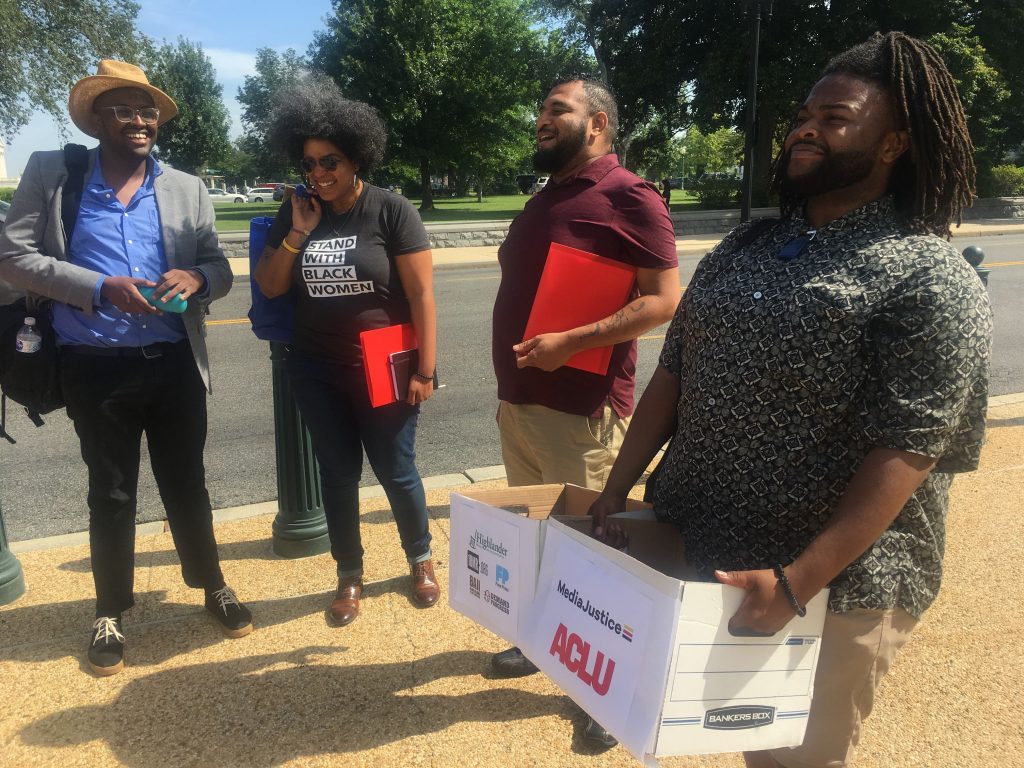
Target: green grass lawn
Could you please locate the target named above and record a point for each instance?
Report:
(235, 217)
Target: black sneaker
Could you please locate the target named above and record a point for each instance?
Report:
(106, 649)
(512, 663)
(595, 735)
(234, 618)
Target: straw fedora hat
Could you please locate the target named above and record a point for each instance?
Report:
(109, 75)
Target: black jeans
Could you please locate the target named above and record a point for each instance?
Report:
(335, 405)
(112, 400)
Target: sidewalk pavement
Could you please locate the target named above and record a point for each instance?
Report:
(402, 686)
(687, 246)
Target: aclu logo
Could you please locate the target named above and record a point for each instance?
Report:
(574, 653)
(501, 577)
(474, 586)
(473, 561)
(739, 718)
(497, 601)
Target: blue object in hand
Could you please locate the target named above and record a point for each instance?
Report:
(177, 304)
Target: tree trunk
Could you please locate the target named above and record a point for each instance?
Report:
(479, 187)
(427, 204)
(764, 155)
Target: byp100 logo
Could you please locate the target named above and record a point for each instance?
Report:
(474, 586)
(501, 577)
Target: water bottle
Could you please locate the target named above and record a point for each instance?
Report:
(28, 339)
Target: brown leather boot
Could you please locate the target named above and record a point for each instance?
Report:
(345, 606)
(425, 589)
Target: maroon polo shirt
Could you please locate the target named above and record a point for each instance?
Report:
(606, 210)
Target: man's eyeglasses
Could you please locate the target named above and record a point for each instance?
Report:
(327, 162)
(148, 115)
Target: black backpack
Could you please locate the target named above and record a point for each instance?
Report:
(33, 381)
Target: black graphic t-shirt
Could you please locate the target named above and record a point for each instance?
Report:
(346, 281)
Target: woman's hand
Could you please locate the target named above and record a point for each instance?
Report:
(419, 390)
(306, 213)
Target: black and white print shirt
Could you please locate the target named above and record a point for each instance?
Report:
(792, 370)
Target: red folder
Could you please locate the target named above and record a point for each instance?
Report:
(579, 288)
(378, 345)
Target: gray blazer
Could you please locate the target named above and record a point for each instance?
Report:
(34, 251)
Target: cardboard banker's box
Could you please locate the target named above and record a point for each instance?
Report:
(649, 655)
(495, 547)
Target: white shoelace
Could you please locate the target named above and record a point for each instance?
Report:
(225, 597)
(106, 628)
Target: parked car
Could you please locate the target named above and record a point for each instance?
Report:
(260, 195)
(279, 193)
(222, 196)
(538, 185)
(4, 207)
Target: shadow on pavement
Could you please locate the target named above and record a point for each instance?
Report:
(271, 708)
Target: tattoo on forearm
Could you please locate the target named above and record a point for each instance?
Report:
(616, 320)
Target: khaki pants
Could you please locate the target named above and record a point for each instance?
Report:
(540, 445)
(857, 649)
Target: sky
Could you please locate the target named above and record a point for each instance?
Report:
(229, 32)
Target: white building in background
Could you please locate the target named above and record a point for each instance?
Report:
(4, 180)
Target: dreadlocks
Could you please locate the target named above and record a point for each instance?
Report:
(933, 182)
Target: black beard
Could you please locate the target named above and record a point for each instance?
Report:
(554, 159)
(835, 171)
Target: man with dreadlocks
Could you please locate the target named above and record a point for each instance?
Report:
(823, 378)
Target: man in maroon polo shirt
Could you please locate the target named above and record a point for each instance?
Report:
(561, 424)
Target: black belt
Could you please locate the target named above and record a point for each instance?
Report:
(149, 351)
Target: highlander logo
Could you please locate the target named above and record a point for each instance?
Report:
(501, 577)
(738, 718)
(599, 615)
(486, 542)
(474, 586)
(498, 602)
(574, 654)
(473, 561)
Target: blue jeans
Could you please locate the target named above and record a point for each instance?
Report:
(334, 403)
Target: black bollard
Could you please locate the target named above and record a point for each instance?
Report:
(12, 580)
(300, 528)
(975, 255)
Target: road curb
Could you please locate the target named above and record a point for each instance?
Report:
(229, 514)
(433, 483)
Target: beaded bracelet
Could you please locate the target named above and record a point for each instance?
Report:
(784, 581)
(423, 377)
(304, 232)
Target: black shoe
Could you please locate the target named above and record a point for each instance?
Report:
(235, 619)
(595, 735)
(106, 649)
(512, 663)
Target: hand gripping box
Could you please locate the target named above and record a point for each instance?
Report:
(495, 545)
(649, 655)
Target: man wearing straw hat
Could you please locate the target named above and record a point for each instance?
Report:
(127, 367)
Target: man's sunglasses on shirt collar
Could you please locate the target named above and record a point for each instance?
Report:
(123, 114)
(327, 162)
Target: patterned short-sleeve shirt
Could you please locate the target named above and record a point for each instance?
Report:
(793, 369)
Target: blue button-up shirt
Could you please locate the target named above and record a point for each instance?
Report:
(118, 241)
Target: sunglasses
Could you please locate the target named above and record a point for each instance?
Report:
(327, 162)
(148, 115)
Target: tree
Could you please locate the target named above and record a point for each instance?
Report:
(984, 95)
(45, 46)
(198, 136)
(695, 54)
(444, 74)
(273, 71)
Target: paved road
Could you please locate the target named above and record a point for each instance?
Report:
(42, 486)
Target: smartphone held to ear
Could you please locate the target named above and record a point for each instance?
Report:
(299, 190)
